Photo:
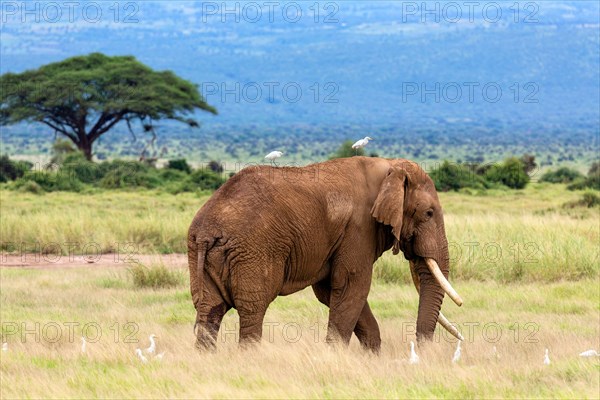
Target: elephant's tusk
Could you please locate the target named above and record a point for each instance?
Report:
(437, 273)
(442, 320)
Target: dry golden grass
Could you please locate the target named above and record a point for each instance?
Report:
(545, 296)
(560, 316)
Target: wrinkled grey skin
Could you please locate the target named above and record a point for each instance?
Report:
(271, 232)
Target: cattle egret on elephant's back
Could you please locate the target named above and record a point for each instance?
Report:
(414, 358)
(361, 143)
(272, 156)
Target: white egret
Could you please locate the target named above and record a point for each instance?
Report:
(5, 347)
(143, 359)
(160, 356)
(272, 156)
(495, 354)
(589, 353)
(546, 358)
(414, 358)
(83, 344)
(152, 348)
(361, 143)
(456, 357)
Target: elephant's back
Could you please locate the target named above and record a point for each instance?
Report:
(255, 200)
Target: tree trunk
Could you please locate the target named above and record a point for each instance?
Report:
(86, 149)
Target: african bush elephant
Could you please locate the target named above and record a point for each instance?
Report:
(271, 232)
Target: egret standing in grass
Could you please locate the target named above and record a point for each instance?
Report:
(546, 358)
(361, 143)
(143, 359)
(589, 353)
(152, 348)
(414, 358)
(272, 156)
(495, 354)
(83, 344)
(4, 347)
(456, 357)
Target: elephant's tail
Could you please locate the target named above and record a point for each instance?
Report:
(197, 250)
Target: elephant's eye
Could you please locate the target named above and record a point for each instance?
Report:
(429, 213)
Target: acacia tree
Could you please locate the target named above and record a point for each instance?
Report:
(84, 97)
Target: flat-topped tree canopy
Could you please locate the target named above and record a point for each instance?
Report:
(84, 97)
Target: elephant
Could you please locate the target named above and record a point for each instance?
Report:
(272, 231)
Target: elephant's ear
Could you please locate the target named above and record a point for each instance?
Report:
(389, 204)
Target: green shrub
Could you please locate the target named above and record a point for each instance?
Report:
(202, 179)
(561, 175)
(60, 149)
(585, 183)
(172, 175)
(199, 180)
(454, 177)
(594, 169)
(591, 182)
(529, 164)
(77, 166)
(174, 181)
(120, 174)
(180, 165)
(588, 200)
(31, 187)
(215, 166)
(346, 150)
(50, 181)
(11, 170)
(157, 276)
(510, 173)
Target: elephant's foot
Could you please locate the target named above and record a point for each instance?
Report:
(367, 330)
(208, 324)
(251, 325)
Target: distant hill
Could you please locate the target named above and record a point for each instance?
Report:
(528, 80)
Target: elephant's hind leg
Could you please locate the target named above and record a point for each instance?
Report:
(209, 314)
(366, 329)
(251, 297)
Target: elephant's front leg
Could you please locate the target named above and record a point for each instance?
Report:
(366, 329)
(350, 284)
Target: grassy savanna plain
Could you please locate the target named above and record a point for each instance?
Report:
(526, 266)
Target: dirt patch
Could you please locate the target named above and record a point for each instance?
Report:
(110, 260)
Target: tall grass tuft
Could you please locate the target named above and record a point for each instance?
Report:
(155, 276)
(390, 269)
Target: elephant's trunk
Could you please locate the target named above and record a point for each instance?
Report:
(430, 301)
(431, 292)
(442, 320)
